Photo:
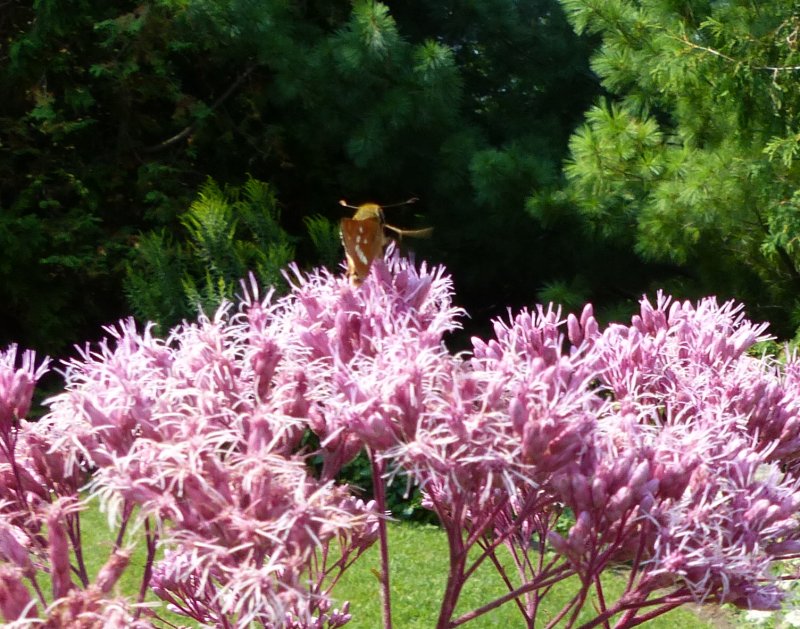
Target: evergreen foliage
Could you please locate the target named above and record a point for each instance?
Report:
(325, 237)
(115, 113)
(691, 159)
(229, 232)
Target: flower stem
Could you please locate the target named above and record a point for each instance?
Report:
(380, 499)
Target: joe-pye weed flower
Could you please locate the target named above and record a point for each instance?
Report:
(673, 451)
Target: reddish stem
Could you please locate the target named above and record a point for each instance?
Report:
(627, 604)
(151, 538)
(455, 577)
(541, 582)
(379, 492)
(73, 526)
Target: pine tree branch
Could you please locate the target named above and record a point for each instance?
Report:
(186, 131)
(783, 255)
(722, 55)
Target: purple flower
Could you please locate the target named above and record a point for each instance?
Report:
(674, 449)
(368, 354)
(16, 386)
(15, 600)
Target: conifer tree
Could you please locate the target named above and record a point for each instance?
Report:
(692, 157)
(227, 233)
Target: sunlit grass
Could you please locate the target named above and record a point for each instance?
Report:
(419, 559)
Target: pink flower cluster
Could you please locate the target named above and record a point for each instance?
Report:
(662, 444)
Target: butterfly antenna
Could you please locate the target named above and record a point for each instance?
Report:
(407, 202)
(344, 203)
(413, 233)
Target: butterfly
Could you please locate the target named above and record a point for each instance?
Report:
(364, 237)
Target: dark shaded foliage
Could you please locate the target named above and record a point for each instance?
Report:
(115, 113)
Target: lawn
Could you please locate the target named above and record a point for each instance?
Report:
(418, 569)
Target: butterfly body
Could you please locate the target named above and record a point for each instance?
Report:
(364, 238)
(363, 241)
(368, 210)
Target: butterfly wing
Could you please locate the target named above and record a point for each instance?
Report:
(363, 241)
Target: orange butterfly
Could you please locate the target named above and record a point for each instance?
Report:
(364, 238)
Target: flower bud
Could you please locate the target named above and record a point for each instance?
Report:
(518, 414)
(785, 548)
(574, 331)
(15, 599)
(580, 494)
(599, 493)
(579, 533)
(16, 385)
(11, 549)
(558, 543)
(58, 551)
(112, 570)
(591, 329)
(620, 502)
(639, 477)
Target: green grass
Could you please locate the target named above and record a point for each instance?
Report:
(97, 549)
(419, 558)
